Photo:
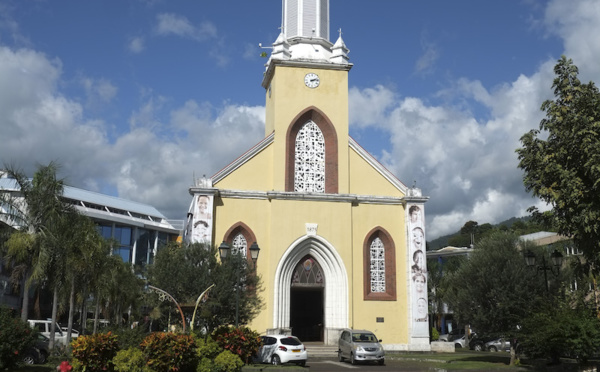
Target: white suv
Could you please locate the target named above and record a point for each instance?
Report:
(43, 327)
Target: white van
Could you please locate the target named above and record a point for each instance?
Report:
(43, 327)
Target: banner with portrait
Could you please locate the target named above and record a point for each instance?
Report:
(418, 271)
(199, 222)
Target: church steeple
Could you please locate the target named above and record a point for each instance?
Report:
(304, 34)
(306, 19)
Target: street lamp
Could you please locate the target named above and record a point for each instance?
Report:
(224, 250)
(556, 258)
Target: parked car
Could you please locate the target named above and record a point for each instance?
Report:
(43, 327)
(452, 335)
(74, 332)
(280, 349)
(500, 344)
(38, 353)
(477, 342)
(459, 342)
(360, 346)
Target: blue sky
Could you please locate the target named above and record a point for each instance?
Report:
(136, 97)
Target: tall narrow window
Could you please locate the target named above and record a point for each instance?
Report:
(377, 266)
(309, 159)
(240, 245)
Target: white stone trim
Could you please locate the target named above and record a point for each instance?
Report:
(336, 285)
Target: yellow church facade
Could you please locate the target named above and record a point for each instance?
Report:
(338, 246)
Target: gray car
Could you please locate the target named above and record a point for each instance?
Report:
(360, 346)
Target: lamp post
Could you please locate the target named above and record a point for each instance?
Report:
(224, 250)
(556, 258)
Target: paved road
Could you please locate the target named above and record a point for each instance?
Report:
(326, 365)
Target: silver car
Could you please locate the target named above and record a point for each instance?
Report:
(360, 346)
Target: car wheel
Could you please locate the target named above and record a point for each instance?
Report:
(275, 360)
(340, 357)
(29, 359)
(478, 347)
(381, 362)
(352, 360)
(493, 349)
(302, 364)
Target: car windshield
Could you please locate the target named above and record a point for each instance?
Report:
(291, 341)
(364, 337)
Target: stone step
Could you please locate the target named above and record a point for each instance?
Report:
(319, 350)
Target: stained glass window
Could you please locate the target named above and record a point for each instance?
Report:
(377, 266)
(239, 245)
(309, 160)
(308, 273)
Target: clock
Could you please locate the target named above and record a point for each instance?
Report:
(311, 80)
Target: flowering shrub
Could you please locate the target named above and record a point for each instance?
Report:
(167, 352)
(241, 341)
(16, 337)
(94, 353)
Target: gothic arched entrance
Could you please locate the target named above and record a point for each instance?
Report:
(334, 293)
(306, 300)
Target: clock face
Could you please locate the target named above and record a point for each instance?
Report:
(311, 80)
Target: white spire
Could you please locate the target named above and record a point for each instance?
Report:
(306, 19)
(339, 51)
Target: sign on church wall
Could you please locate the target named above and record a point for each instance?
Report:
(418, 271)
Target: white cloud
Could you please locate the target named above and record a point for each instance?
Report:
(577, 22)
(153, 162)
(173, 24)
(136, 45)
(468, 168)
(98, 91)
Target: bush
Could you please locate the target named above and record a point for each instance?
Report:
(16, 337)
(95, 352)
(130, 360)
(169, 352)
(130, 337)
(228, 362)
(208, 348)
(212, 357)
(435, 335)
(241, 341)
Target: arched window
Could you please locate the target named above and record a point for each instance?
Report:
(240, 245)
(377, 251)
(309, 159)
(311, 163)
(238, 237)
(379, 254)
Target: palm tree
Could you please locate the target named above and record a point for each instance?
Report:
(36, 209)
(86, 249)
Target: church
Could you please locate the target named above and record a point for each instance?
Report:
(342, 240)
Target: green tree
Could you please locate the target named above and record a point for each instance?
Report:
(494, 290)
(561, 160)
(185, 271)
(562, 327)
